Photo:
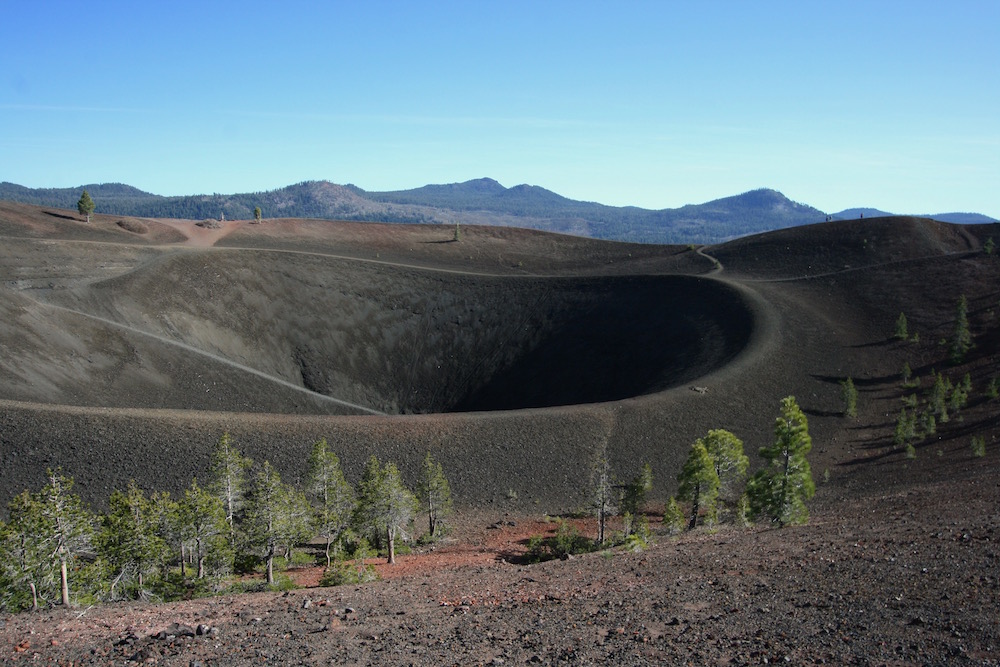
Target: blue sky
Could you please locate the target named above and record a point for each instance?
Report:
(894, 105)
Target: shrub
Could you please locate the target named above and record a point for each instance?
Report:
(342, 573)
(640, 536)
(566, 542)
(673, 517)
(978, 446)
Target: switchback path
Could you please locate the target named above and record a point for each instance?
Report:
(214, 357)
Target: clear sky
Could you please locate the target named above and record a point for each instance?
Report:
(889, 104)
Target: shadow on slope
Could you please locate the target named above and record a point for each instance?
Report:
(403, 340)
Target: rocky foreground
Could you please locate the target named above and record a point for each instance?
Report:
(907, 576)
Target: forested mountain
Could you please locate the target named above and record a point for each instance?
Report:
(479, 201)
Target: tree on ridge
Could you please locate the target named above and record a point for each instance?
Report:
(86, 205)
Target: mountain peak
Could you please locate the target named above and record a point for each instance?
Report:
(483, 185)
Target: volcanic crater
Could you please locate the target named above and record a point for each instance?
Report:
(396, 340)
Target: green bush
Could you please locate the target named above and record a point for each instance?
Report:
(344, 572)
(566, 542)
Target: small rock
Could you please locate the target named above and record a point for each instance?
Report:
(307, 603)
(142, 655)
(176, 630)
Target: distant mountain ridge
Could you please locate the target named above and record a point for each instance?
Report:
(478, 201)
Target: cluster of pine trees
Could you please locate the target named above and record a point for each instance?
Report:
(713, 475)
(244, 518)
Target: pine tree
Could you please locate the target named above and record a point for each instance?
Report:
(202, 522)
(276, 516)
(780, 490)
(634, 497)
(385, 506)
(165, 518)
(961, 341)
(86, 205)
(902, 331)
(699, 483)
(331, 495)
(128, 540)
(26, 561)
(673, 517)
(728, 458)
(229, 474)
(937, 403)
(908, 375)
(993, 388)
(434, 495)
(256, 214)
(66, 523)
(603, 496)
(850, 395)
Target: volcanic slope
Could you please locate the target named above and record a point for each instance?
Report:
(515, 357)
(130, 345)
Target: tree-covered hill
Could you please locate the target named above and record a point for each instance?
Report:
(479, 201)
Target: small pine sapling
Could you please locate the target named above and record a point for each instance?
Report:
(902, 331)
(993, 388)
(850, 395)
(908, 380)
(673, 517)
(961, 341)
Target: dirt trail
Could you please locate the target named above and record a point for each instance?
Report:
(214, 357)
(716, 264)
(202, 237)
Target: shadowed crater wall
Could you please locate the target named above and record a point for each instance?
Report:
(403, 340)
